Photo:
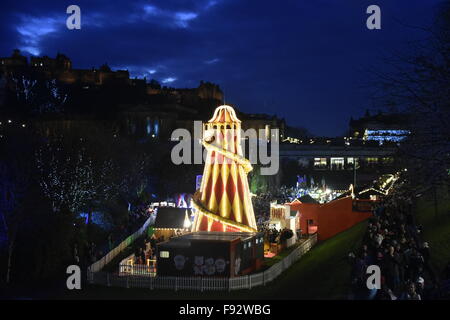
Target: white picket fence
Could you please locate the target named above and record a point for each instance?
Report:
(138, 269)
(144, 279)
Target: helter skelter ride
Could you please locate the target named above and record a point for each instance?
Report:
(223, 202)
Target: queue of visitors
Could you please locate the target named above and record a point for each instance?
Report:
(393, 241)
(146, 249)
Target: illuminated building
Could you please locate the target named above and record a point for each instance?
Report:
(381, 127)
(223, 202)
(385, 135)
(336, 167)
(224, 241)
(211, 254)
(171, 221)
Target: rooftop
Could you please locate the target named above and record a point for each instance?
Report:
(171, 218)
(219, 236)
(185, 240)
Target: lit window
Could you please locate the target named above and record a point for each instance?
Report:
(320, 163)
(372, 161)
(156, 127)
(149, 126)
(164, 254)
(352, 162)
(337, 163)
(249, 244)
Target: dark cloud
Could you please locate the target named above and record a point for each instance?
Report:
(303, 60)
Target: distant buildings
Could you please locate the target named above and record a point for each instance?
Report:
(60, 68)
(335, 157)
(147, 110)
(381, 127)
(369, 151)
(14, 62)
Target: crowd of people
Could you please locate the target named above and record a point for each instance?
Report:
(393, 242)
(272, 235)
(145, 248)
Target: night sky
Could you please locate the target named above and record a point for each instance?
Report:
(306, 61)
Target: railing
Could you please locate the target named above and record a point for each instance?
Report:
(128, 260)
(98, 265)
(148, 270)
(142, 276)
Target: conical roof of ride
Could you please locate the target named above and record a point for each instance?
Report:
(224, 114)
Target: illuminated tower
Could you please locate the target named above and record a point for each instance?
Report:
(223, 202)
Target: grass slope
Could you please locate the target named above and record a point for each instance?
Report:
(436, 228)
(322, 273)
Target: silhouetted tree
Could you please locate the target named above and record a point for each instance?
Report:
(419, 86)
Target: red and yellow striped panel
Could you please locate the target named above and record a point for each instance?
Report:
(224, 189)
